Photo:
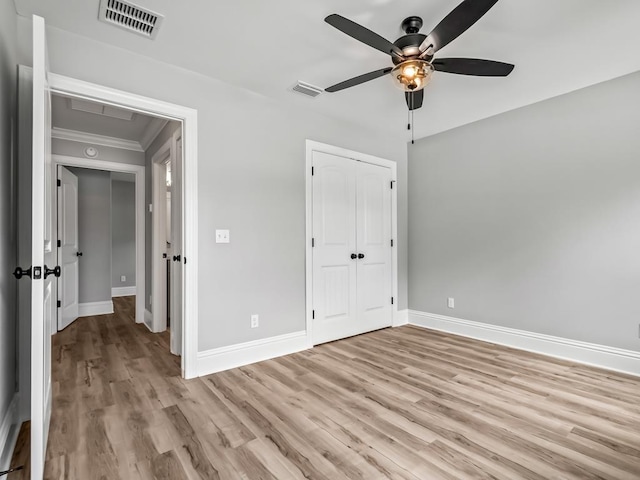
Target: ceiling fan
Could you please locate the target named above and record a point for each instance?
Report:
(413, 54)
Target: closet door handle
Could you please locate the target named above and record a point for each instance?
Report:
(78, 254)
(353, 256)
(361, 256)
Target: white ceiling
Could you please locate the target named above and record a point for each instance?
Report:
(266, 46)
(63, 116)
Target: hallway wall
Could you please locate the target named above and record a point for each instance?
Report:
(8, 260)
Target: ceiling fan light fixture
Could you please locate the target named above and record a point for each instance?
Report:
(412, 75)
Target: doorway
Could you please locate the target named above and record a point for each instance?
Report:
(119, 143)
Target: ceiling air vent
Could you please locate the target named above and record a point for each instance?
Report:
(306, 89)
(130, 17)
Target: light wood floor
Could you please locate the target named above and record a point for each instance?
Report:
(402, 403)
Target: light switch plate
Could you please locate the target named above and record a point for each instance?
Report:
(222, 236)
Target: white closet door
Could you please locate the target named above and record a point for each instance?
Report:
(334, 227)
(374, 277)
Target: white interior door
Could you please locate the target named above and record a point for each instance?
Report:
(68, 253)
(373, 234)
(176, 246)
(42, 254)
(335, 248)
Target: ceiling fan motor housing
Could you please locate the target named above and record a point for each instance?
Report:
(409, 45)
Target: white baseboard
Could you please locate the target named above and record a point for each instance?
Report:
(148, 319)
(9, 429)
(123, 291)
(401, 318)
(611, 358)
(225, 358)
(95, 308)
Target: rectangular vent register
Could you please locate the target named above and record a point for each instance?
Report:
(130, 17)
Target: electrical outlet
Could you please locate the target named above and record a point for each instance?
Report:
(255, 321)
(123, 278)
(451, 302)
(222, 236)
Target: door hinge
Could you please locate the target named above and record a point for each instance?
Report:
(312, 171)
(59, 182)
(313, 314)
(392, 242)
(59, 243)
(391, 184)
(59, 303)
(391, 300)
(185, 260)
(313, 242)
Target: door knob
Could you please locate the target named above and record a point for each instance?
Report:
(361, 256)
(176, 258)
(19, 273)
(353, 256)
(52, 271)
(78, 254)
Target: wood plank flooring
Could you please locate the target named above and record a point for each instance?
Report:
(404, 403)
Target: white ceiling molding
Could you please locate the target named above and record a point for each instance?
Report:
(93, 139)
(152, 131)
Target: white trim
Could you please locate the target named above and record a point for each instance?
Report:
(140, 176)
(602, 356)
(312, 146)
(233, 356)
(189, 117)
(402, 318)
(95, 139)
(123, 291)
(152, 131)
(95, 308)
(9, 429)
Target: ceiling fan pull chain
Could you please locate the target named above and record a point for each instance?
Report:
(412, 128)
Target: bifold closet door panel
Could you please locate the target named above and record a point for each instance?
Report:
(334, 230)
(373, 234)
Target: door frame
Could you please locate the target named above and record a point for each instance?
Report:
(189, 117)
(313, 146)
(139, 173)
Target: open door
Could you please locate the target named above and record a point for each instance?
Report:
(68, 253)
(42, 254)
(176, 245)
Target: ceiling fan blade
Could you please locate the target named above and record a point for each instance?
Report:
(414, 99)
(352, 82)
(473, 66)
(456, 23)
(363, 34)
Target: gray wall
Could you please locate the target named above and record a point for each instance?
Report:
(531, 219)
(106, 154)
(166, 133)
(94, 234)
(123, 233)
(8, 89)
(251, 180)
